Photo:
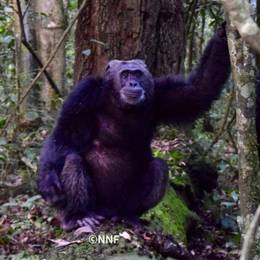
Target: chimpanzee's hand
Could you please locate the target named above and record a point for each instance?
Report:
(51, 190)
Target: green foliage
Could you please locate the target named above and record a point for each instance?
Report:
(7, 68)
(176, 162)
(202, 18)
(6, 35)
(2, 122)
(210, 10)
(72, 5)
(7, 75)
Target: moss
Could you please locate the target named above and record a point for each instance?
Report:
(171, 216)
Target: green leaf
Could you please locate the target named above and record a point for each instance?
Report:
(72, 5)
(2, 122)
(43, 14)
(3, 158)
(177, 155)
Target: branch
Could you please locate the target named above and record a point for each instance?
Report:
(30, 49)
(26, 8)
(249, 237)
(239, 14)
(45, 66)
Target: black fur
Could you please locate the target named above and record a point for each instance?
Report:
(98, 157)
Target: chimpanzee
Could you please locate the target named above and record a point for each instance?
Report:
(98, 159)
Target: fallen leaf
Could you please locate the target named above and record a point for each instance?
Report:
(61, 242)
(125, 235)
(83, 230)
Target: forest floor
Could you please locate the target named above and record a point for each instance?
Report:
(29, 230)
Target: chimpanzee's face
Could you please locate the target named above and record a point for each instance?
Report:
(132, 81)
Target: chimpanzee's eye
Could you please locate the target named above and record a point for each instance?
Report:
(124, 74)
(138, 73)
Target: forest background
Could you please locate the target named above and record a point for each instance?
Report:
(47, 46)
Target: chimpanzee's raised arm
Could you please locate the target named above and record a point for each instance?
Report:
(180, 100)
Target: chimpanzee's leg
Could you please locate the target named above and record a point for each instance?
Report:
(150, 189)
(155, 183)
(79, 194)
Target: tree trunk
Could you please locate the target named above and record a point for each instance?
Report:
(244, 78)
(258, 22)
(50, 27)
(240, 14)
(25, 64)
(116, 29)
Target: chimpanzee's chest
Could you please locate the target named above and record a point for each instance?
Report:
(116, 160)
(114, 172)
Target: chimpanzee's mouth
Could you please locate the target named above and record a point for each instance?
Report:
(132, 95)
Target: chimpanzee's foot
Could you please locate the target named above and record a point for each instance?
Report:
(90, 221)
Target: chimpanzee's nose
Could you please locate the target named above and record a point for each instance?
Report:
(133, 83)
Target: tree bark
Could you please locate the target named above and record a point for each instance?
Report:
(240, 16)
(258, 23)
(244, 78)
(248, 246)
(116, 29)
(50, 27)
(25, 64)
